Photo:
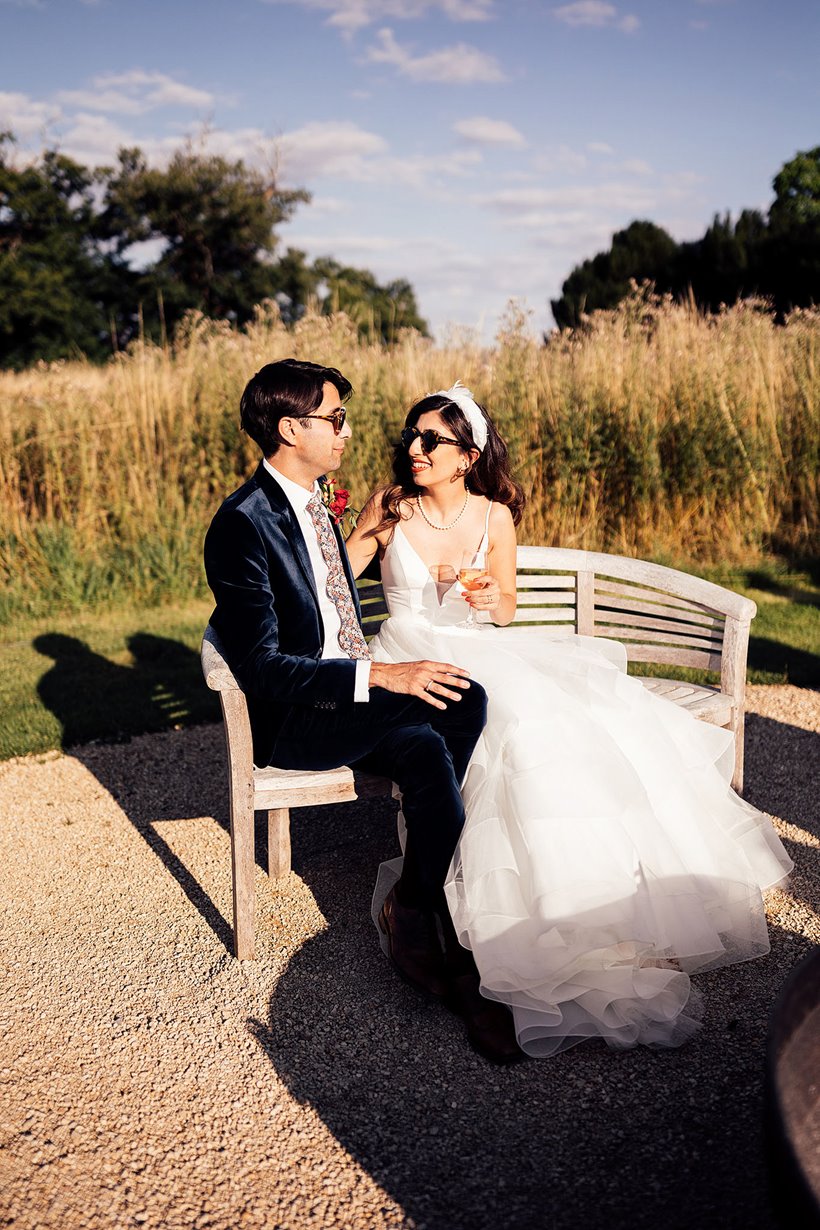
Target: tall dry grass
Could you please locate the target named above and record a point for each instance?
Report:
(658, 432)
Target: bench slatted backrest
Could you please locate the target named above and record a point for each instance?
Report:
(657, 626)
(661, 615)
(374, 607)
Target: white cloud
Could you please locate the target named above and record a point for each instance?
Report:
(427, 174)
(484, 131)
(135, 93)
(560, 159)
(107, 101)
(25, 117)
(599, 147)
(328, 206)
(352, 15)
(537, 206)
(595, 13)
(457, 65)
(348, 152)
(94, 139)
(338, 147)
(636, 166)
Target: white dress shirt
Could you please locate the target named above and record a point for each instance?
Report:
(298, 498)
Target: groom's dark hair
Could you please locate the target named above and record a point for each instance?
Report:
(289, 388)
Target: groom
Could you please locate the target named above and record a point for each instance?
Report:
(287, 613)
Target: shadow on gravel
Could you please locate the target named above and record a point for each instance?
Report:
(592, 1137)
(785, 789)
(101, 705)
(136, 775)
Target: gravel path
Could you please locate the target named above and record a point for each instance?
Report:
(149, 1080)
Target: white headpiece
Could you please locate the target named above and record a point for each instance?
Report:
(463, 398)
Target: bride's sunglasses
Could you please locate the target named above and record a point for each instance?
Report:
(430, 440)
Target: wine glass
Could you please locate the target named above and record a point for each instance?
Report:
(470, 569)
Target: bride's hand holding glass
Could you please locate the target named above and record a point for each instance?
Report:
(481, 590)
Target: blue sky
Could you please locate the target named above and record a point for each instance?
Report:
(479, 148)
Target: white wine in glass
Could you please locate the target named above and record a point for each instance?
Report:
(472, 567)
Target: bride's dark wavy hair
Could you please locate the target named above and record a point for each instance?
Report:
(489, 475)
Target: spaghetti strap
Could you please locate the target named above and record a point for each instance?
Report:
(485, 541)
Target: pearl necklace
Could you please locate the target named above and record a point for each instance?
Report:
(432, 524)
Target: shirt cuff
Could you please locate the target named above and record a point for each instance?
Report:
(361, 690)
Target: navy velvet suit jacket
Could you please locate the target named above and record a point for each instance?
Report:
(267, 610)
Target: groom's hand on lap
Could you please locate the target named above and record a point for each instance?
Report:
(432, 682)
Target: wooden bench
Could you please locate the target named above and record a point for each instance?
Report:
(661, 616)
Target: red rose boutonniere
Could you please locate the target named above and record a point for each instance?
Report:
(336, 500)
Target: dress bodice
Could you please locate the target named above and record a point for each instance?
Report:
(410, 590)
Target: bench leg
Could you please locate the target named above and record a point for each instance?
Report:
(278, 843)
(242, 870)
(739, 730)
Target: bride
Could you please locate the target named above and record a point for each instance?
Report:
(604, 858)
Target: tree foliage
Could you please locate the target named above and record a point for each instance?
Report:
(213, 224)
(91, 258)
(57, 282)
(378, 311)
(604, 280)
(775, 256)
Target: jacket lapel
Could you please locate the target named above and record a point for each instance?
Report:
(281, 504)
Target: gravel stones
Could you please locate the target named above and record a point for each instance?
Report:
(150, 1080)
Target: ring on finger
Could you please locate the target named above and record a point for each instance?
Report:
(428, 685)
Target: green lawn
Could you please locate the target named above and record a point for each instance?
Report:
(112, 674)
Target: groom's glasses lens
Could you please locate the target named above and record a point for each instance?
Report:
(337, 418)
(430, 440)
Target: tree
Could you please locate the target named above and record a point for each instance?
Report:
(797, 192)
(58, 284)
(776, 256)
(723, 266)
(382, 310)
(793, 250)
(377, 310)
(208, 230)
(296, 283)
(642, 251)
(213, 222)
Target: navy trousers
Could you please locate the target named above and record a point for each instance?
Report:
(424, 750)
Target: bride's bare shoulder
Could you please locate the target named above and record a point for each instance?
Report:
(501, 526)
(500, 515)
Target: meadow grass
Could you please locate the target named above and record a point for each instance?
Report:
(655, 432)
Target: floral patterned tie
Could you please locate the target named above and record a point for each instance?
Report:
(351, 637)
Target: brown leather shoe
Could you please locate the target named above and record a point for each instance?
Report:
(490, 1028)
(413, 945)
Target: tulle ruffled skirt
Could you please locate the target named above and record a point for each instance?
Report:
(605, 857)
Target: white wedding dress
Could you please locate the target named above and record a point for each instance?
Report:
(604, 857)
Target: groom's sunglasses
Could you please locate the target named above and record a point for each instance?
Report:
(430, 440)
(337, 418)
